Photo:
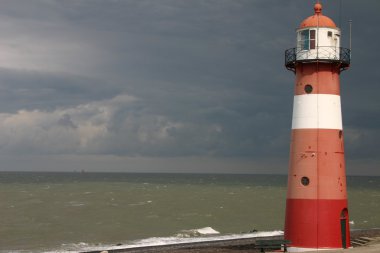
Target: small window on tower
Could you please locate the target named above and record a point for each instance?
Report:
(308, 88)
(305, 181)
(329, 34)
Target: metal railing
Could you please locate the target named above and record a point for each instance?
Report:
(339, 55)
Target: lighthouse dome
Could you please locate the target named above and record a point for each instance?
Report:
(318, 19)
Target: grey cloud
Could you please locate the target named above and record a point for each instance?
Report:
(66, 121)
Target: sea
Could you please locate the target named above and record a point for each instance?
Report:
(74, 212)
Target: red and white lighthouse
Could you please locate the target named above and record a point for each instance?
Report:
(316, 205)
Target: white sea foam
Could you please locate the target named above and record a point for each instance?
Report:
(207, 231)
(75, 203)
(208, 236)
(140, 203)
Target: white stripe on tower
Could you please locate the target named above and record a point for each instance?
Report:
(317, 111)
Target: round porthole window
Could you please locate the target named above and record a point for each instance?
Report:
(305, 181)
(308, 88)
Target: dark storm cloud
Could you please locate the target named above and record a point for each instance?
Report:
(30, 90)
(171, 78)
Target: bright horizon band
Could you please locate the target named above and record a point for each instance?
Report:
(319, 111)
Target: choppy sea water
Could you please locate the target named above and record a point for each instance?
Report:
(87, 211)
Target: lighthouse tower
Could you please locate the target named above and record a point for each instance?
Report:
(316, 205)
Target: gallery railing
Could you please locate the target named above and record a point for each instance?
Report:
(338, 55)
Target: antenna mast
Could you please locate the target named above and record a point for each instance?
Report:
(340, 13)
(350, 22)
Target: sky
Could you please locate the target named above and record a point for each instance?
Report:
(171, 85)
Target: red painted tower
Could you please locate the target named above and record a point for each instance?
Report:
(316, 205)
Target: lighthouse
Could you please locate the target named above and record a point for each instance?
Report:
(316, 203)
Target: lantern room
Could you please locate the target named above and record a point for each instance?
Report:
(318, 39)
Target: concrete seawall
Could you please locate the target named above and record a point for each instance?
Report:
(246, 245)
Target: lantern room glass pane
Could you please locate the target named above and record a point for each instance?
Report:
(312, 39)
(312, 34)
(304, 40)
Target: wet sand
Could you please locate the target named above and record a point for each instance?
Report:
(247, 245)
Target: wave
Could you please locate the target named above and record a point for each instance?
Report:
(206, 234)
(207, 231)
